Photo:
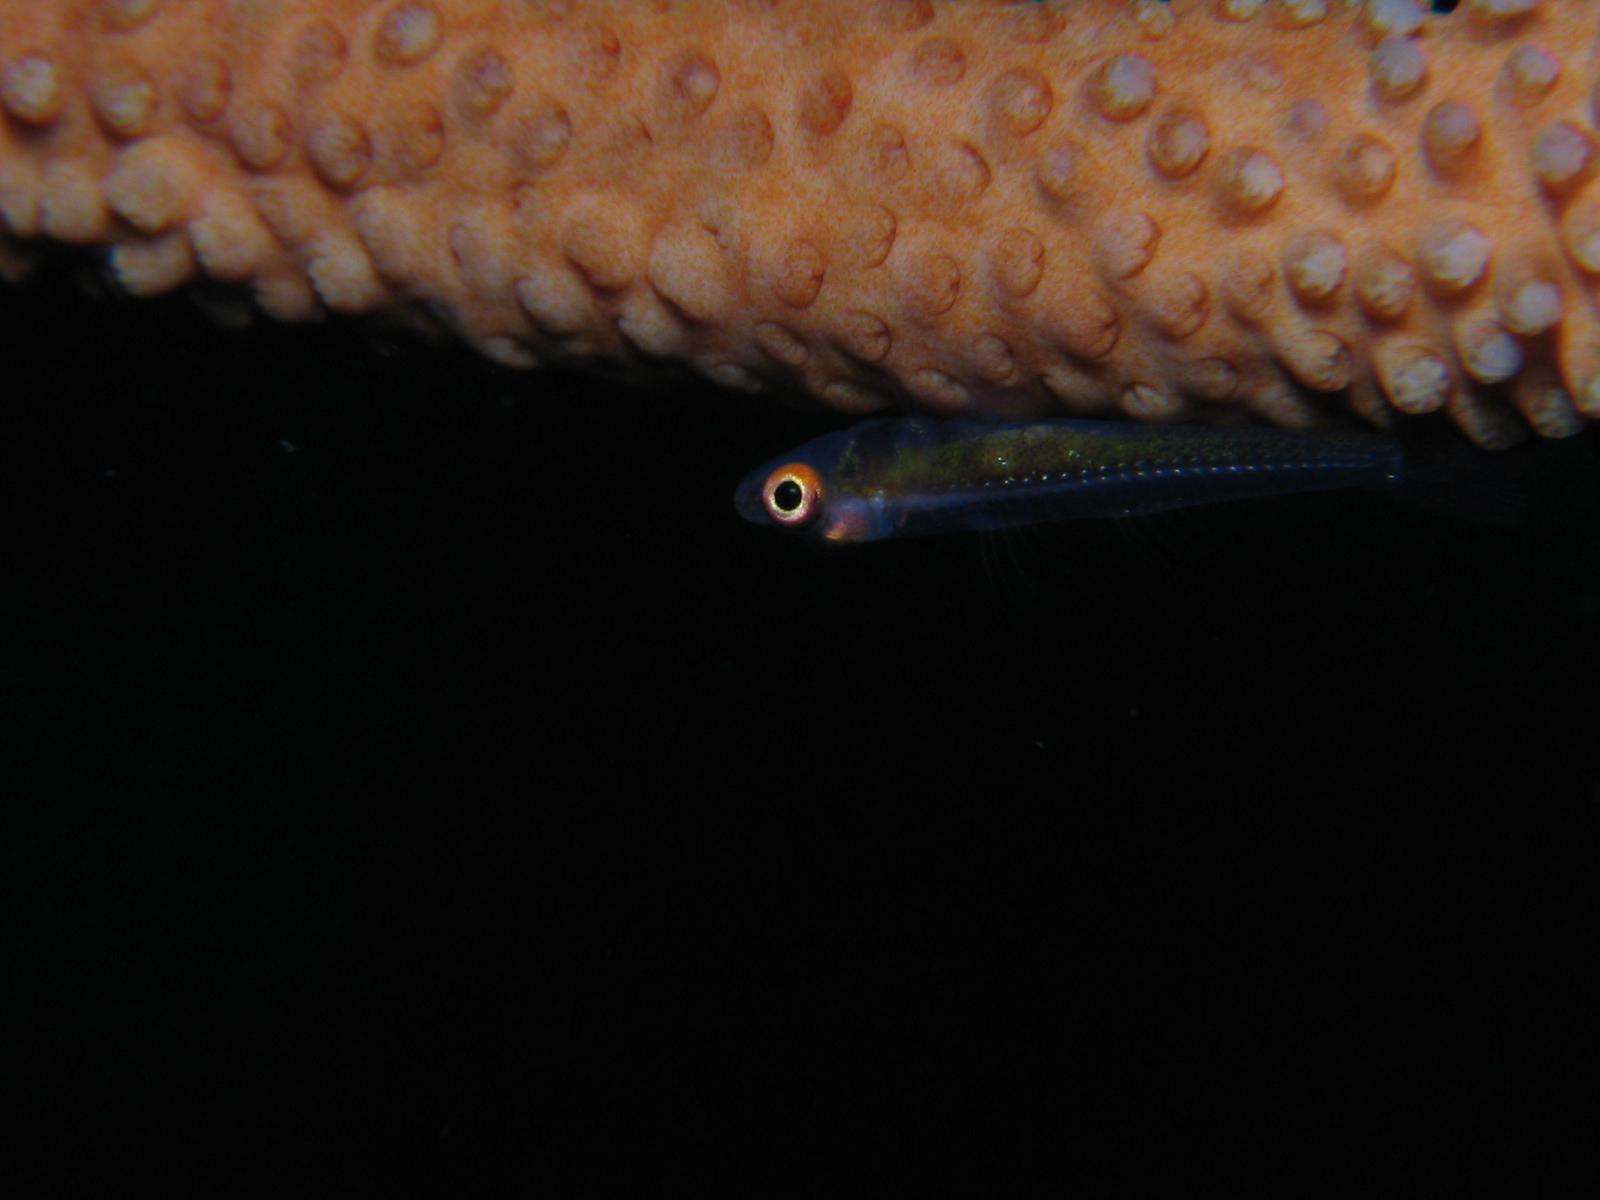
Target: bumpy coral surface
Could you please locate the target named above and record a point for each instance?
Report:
(1160, 211)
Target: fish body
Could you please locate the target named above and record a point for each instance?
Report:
(1205, 210)
(894, 478)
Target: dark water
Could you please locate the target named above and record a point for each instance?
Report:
(419, 776)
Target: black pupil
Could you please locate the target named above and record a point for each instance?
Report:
(788, 495)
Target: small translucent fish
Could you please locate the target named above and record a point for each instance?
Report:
(896, 478)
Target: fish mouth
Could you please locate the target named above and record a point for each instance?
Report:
(747, 500)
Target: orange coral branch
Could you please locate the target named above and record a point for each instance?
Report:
(1010, 208)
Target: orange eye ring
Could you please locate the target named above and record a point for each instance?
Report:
(792, 496)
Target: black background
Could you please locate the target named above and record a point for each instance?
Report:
(419, 775)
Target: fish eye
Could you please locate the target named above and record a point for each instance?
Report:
(792, 496)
